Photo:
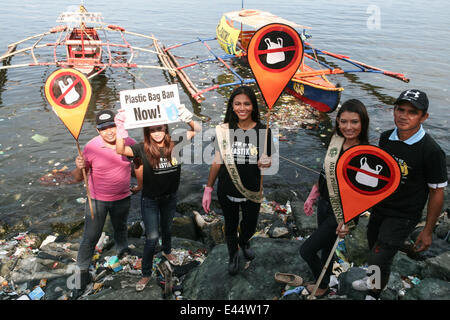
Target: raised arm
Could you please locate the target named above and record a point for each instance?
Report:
(121, 134)
(195, 128)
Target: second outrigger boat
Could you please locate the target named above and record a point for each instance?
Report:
(309, 84)
(83, 43)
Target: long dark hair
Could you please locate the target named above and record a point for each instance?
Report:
(354, 105)
(230, 116)
(152, 150)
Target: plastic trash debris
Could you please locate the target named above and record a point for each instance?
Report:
(296, 290)
(101, 242)
(333, 281)
(36, 294)
(415, 281)
(81, 200)
(279, 232)
(40, 139)
(43, 283)
(23, 297)
(114, 264)
(47, 240)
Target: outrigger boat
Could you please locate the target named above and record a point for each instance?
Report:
(79, 46)
(309, 84)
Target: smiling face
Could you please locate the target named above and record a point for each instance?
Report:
(350, 125)
(158, 133)
(243, 107)
(108, 134)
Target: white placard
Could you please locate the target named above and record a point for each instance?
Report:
(150, 106)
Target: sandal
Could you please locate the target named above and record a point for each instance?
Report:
(288, 278)
(140, 286)
(316, 296)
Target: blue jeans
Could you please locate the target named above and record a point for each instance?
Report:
(118, 212)
(156, 213)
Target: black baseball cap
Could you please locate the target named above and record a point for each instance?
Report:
(105, 118)
(416, 97)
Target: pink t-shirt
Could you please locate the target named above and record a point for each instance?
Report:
(109, 178)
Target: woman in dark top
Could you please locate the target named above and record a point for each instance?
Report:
(352, 123)
(245, 139)
(161, 178)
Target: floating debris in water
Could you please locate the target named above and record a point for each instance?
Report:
(39, 138)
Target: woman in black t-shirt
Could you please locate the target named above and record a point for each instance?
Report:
(245, 150)
(352, 123)
(161, 178)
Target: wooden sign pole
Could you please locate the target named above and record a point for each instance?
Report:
(86, 183)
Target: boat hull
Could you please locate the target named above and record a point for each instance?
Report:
(324, 100)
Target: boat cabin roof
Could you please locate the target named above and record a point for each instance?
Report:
(80, 17)
(256, 18)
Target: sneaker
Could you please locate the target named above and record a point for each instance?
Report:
(249, 254)
(233, 264)
(362, 284)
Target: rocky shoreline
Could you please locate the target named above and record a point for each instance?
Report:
(42, 266)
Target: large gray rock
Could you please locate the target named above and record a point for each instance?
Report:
(394, 285)
(211, 280)
(429, 289)
(357, 247)
(438, 246)
(406, 266)
(438, 267)
(305, 224)
(184, 227)
(123, 287)
(442, 231)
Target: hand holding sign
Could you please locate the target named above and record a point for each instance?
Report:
(119, 120)
(366, 175)
(152, 106)
(68, 91)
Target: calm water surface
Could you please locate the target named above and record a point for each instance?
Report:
(409, 37)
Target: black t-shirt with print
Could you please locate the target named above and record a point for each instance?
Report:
(247, 146)
(163, 180)
(421, 163)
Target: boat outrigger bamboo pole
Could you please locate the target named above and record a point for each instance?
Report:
(13, 52)
(29, 38)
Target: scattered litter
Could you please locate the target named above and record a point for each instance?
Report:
(101, 242)
(36, 294)
(39, 138)
(296, 290)
(114, 263)
(47, 240)
(81, 200)
(294, 116)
